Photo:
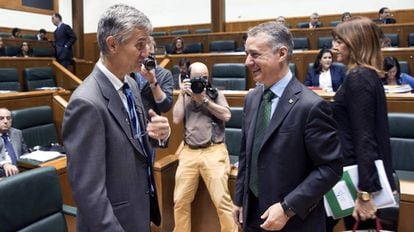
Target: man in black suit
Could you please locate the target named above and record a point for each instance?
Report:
(385, 16)
(290, 154)
(64, 40)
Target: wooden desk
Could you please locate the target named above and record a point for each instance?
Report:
(60, 165)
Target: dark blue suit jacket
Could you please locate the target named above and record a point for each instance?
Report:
(64, 40)
(337, 76)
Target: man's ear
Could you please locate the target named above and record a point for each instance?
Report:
(111, 43)
(283, 53)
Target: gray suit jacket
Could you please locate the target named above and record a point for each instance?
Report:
(17, 141)
(107, 168)
(299, 159)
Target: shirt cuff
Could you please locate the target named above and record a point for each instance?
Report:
(162, 142)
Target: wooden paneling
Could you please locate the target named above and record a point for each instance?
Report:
(91, 50)
(18, 6)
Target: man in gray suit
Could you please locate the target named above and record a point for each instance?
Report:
(12, 144)
(106, 132)
(287, 165)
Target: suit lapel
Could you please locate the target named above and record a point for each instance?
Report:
(116, 107)
(286, 102)
(253, 108)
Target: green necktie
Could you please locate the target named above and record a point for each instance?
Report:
(262, 123)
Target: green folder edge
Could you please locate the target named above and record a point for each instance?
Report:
(333, 202)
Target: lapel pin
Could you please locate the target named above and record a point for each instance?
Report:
(290, 101)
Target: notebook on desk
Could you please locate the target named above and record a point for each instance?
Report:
(38, 157)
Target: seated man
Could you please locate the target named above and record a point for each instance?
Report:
(385, 16)
(12, 144)
(314, 21)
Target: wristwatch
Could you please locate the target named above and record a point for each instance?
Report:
(364, 196)
(287, 209)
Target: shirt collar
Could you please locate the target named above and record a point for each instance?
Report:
(111, 77)
(279, 87)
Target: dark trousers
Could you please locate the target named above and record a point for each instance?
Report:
(254, 221)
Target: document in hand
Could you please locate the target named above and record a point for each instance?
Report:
(340, 200)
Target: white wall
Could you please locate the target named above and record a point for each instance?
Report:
(11, 18)
(180, 12)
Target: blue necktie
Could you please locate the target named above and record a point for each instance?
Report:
(9, 148)
(262, 123)
(137, 131)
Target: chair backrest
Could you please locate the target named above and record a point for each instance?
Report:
(9, 79)
(334, 23)
(43, 52)
(158, 33)
(180, 32)
(196, 47)
(11, 50)
(301, 43)
(411, 39)
(36, 124)
(203, 30)
(229, 76)
(5, 34)
(402, 141)
(292, 67)
(222, 46)
(31, 37)
(38, 77)
(394, 39)
(233, 133)
(302, 25)
(404, 67)
(31, 201)
(325, 42)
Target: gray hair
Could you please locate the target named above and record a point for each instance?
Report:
(118, 21)
(276, 35)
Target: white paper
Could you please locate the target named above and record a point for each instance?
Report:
(343, 195)
(41, 156)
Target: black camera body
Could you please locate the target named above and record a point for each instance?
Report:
(198, 84)
(149, 63)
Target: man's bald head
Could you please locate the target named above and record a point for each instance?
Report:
(198, 69)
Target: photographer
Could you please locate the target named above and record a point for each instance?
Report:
(156, 83)
(204, 111)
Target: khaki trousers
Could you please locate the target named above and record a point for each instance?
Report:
(213, 165)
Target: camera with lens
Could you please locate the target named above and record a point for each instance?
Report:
(198, 84)
(149, 63)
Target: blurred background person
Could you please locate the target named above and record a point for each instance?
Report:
(64, 40)
(324, 74)
(178, 46)
(314, 21)
(393, 74)
(25, 50)
(243, 43)
(1, 47)
(281, 20)
(41, 34)
(385, 16)
(346, 16)
(16, 33)
(184, 65)
(360, 109)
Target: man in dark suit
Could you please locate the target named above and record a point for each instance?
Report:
(64, 40)
(385, 16)
(290, 154)
(106, 132)
(12, 144)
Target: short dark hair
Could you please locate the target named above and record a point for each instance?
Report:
(391, 62)
(42, 31)
(381, 11)
(58, 16)
(184, 61)
(15, 30)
